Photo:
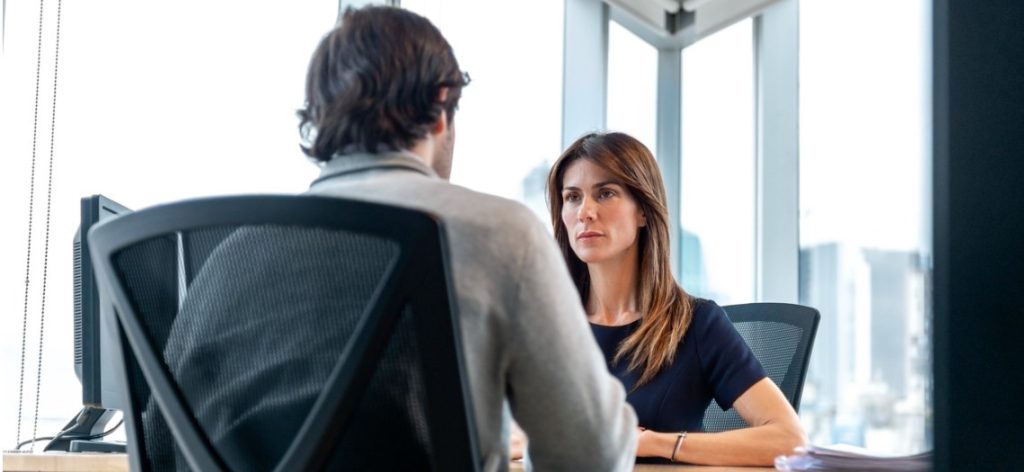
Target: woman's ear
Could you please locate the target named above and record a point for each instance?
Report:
(643, 220)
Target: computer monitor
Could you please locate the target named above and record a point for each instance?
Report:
(96, 363)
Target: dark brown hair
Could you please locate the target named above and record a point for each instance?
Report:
(374, 83)
(666, 309)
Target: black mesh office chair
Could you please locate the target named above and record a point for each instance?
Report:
(781, 336)
(287, 333)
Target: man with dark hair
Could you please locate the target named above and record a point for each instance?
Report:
(381, 96)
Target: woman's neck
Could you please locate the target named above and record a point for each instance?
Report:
(613, 297)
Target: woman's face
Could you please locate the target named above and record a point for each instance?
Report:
(601, 218)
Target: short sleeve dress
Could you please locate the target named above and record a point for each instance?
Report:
(712, 362)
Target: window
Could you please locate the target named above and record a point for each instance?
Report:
(718, 166)
(509, 119)
(632, 85)
(864, 233)
(156, 103)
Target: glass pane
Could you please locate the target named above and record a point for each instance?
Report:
(157, 102)
(632, 85)
(864, 233)
(718, 166)
(509, 119)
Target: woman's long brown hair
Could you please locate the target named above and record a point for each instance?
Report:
(666, 309)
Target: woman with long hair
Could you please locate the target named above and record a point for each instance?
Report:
(673, 352)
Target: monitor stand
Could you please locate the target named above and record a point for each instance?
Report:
(82, 433)
(79, 445)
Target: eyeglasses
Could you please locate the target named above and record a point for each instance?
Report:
(464, 80)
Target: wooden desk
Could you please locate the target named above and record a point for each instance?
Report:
(697, 468)
(95, 462)
(518, 467)
(65, 462)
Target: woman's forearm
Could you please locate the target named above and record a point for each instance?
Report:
(749, 446)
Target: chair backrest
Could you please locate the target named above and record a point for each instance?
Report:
(781, 336)
(287, 333)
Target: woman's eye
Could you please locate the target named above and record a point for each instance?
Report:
(571, 197)
(607, 194)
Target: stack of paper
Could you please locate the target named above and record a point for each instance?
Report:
(849, 458)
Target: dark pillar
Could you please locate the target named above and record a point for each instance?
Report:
(979, 234)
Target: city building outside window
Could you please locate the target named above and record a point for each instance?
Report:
(864, 229)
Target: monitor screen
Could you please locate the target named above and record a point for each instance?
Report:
(95, 364)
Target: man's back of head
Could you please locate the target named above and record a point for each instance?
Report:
(378, 82)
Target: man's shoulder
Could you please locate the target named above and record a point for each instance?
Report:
(432, 195)
(469, 216)
(462, 201)
(491, 221)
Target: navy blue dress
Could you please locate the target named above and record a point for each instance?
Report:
(712, 362)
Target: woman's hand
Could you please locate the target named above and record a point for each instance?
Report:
(646, 443)
(516, 443)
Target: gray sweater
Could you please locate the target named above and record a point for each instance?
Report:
(525, 335)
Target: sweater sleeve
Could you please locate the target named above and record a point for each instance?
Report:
(572, 410)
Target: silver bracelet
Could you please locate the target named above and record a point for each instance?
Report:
(679, 442)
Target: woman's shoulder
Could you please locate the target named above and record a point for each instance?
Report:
(709, 318)
(705, 310)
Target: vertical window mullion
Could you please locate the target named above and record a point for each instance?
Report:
(776, 56)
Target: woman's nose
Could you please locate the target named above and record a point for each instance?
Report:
(586, 211)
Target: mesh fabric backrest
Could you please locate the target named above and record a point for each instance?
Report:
(197, 247)
(777, 347)
(151, 281)
(262, 323)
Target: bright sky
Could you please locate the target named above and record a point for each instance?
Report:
(865, 142)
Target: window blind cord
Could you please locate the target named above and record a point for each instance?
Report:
(31, 198)
(46, 239)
